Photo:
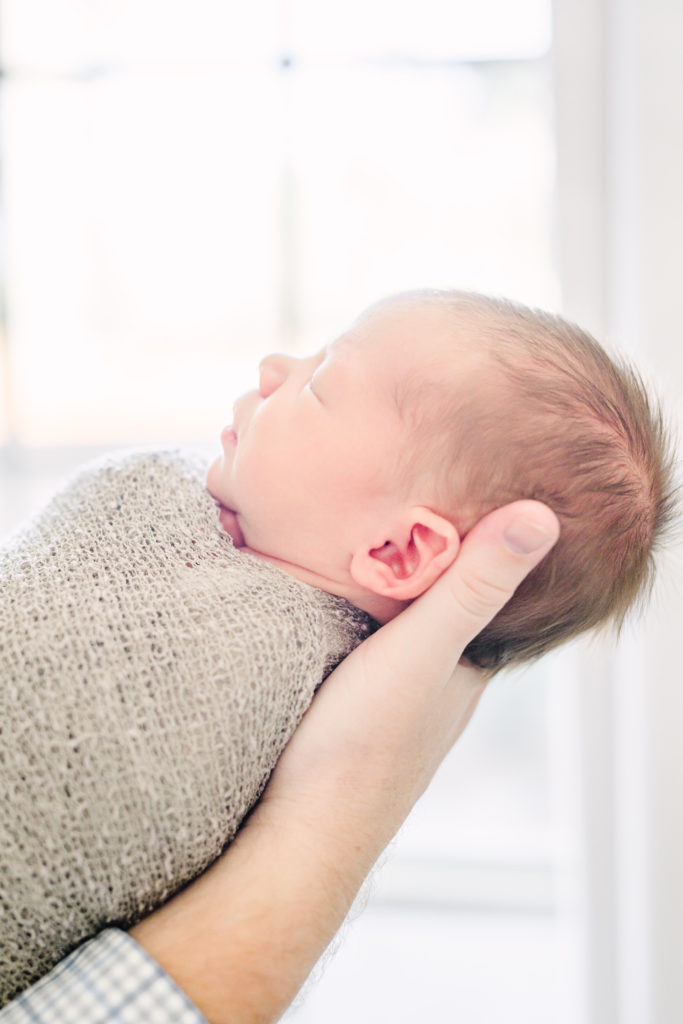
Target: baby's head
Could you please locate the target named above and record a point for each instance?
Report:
(365, 464)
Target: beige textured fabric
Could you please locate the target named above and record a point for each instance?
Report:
(150, 675)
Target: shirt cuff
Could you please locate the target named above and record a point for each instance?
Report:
(110, 978)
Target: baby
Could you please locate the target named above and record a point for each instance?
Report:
(157, 653)
(361, 468)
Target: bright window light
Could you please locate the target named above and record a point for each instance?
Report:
(187, 189)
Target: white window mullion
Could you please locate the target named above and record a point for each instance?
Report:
(620, 164)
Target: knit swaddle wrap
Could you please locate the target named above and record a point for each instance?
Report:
(150, 676)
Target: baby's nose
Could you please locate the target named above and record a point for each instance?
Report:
(273, 371)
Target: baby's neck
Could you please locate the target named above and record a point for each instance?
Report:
(382, 609)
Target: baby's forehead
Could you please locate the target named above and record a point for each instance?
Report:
(418, 339)
(415, 361)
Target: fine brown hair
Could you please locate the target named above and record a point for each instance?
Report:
(552, 417)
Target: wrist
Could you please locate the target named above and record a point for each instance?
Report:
(241, 940)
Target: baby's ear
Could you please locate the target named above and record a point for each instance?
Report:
(419, 545)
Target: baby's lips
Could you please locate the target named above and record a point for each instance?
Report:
(228, 520)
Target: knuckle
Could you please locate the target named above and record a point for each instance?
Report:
(480, 597)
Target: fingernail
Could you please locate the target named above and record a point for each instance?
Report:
(523, 536)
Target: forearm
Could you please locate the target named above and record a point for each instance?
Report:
(243, 938)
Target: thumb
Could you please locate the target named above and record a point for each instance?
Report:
(495, 556)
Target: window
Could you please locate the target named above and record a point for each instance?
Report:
(190, 185)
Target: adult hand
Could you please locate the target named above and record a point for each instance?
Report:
(242, 938)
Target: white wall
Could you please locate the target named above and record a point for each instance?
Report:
(619, 83)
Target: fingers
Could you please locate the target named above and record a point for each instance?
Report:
(494, 558)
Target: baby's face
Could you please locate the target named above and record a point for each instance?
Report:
(310, 462)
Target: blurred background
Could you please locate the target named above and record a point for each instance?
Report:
(187, 186)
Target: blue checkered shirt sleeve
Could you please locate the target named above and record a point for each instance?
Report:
(111, 978)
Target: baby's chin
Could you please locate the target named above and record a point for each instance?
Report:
(227, 516)
(228, 520)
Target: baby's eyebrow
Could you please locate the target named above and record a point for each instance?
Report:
(340, 346)
(341, 341)
(338, 365)
(324, 354)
